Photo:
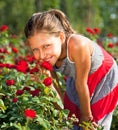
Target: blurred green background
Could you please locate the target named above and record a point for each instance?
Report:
(81, 13)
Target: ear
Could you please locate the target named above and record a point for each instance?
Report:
(62, 36)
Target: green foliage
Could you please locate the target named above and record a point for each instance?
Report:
(50, 4)
(81, 13)
(108, 11)
(48, 117)
(89, 126)
(15, 99)
(15, 13)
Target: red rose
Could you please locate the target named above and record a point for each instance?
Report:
(110, 45)
(3, 50)
(30, 113)
(22, 66)
(26, 88)
(90, 30)
(30, 58)
(22, 63)
(109, 35)
(33, 70)
(97, 30)
(10, 66)
(47, 81)
(35, 92)
(10, 82)
(3, 28)
(14, 100)
(15, 50)
(2, 57)
(2, 65)
(19, 92)
(47, 65)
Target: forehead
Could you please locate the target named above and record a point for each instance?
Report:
(41, 38)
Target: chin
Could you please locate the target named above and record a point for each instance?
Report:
(53, 63)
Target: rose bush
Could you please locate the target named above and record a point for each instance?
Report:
(26, 102)
(105, 41)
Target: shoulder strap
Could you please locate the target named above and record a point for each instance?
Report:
(67, 48)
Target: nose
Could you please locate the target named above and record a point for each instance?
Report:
(40, 55)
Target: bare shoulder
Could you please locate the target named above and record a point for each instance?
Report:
(79, 43)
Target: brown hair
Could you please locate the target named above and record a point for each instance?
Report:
(51, 21)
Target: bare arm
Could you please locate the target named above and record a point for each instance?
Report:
(81, 55)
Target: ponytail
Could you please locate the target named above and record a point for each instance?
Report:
(63, 19)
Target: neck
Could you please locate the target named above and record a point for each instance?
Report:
(62, 56)
(64, 51)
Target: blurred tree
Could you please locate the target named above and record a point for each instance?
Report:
(86, 14)
(81, 13)
(69, 10)
(15, 13)
(37, 5)
(109, 13)
(49, 4)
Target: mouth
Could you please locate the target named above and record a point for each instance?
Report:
(49, 59)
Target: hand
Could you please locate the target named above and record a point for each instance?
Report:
(95, 125)
(35, 76)
(89, 125)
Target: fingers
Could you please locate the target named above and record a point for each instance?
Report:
(32, 77)
(95, 125)
(89, 126)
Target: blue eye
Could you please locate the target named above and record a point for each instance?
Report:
(35, 50)
(46, 46)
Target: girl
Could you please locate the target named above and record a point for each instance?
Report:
(92, 84)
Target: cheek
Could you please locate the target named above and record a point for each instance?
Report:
(57, 50)
(36, 56)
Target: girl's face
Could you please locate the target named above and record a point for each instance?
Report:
(46, 47)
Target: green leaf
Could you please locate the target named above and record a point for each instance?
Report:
(43, 122)
(42, 76)
(1, 94)
(2, 106)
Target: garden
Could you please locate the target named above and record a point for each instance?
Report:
(27, 104)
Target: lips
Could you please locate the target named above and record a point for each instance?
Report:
(48, 59)
(51, 60)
